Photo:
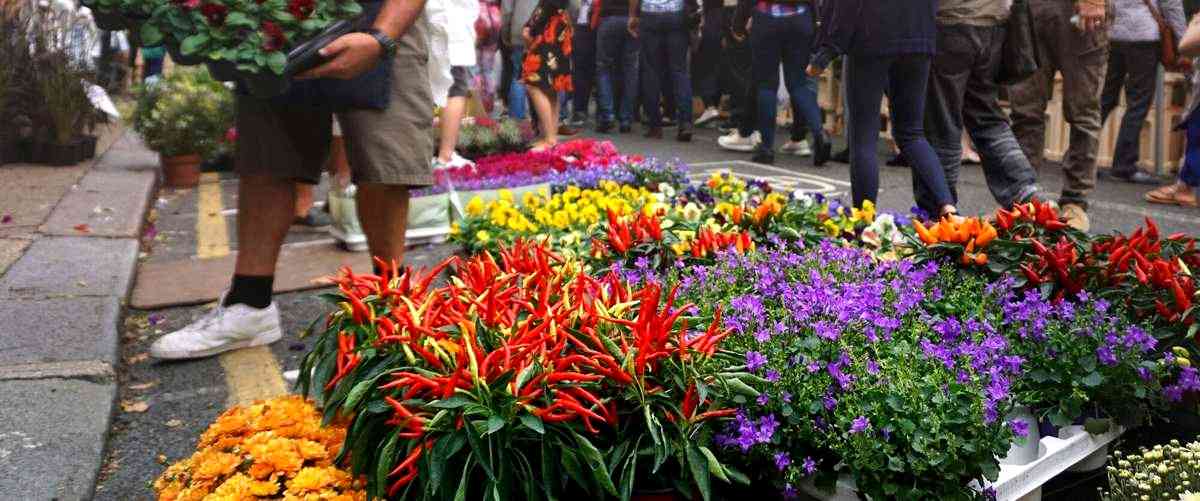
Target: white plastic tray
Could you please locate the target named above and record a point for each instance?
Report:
(1072, 447)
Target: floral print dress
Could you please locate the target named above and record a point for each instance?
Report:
(548, 56)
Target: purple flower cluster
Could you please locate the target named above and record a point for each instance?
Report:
(746, 432)
(1189, 381)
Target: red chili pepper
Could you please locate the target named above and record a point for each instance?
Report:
(1182, 301)
(1140, 274)
(1152, 229)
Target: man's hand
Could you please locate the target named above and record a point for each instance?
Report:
(814, 71)
(1091, 14)
(347, 57)
(633, 26)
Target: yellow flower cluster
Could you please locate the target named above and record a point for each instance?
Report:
(848, 219)
(273, 449)
(572, 209)
(725, 185)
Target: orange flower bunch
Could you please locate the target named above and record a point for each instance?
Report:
(973, 233)
(273, 449)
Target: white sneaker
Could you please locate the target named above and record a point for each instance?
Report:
(220, 330)
(734, 141)
(709, 115)
(798, 148)
(345, 227)
(457, 161)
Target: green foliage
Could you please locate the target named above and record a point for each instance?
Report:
(185, 112)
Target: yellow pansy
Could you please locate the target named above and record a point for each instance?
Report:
(483, 236)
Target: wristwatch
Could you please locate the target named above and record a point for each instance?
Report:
(386, 42)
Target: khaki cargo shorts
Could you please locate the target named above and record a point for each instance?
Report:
(392, 146)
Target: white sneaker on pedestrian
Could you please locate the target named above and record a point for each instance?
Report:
(735, 141)
(457, 161)
(223, 329)
(345, 228)
(709, 115)
(798, 148)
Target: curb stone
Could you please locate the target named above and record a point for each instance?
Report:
(61, 300)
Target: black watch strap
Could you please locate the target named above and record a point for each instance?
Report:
(388, 44)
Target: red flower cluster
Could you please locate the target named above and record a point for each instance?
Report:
(1145, 265)
(215, 13)
(273, 37)
(301, 9)
(622, 234)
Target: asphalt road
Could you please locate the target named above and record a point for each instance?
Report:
(182, 398)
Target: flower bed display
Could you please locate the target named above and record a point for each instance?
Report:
(625, 330)
(268, 450)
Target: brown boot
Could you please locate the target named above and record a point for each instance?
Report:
(1076, 217)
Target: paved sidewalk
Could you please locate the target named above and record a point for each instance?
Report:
(69, 241)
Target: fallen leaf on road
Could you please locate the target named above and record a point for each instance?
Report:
(7, 218)
(134, 406)
(143, 386)
(137, 359)
(83, 228)
(174, 423)
(161, 458)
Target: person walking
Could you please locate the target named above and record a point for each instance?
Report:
(278, 144)
(963, 94)
(887, 44)
(487, 47)
(706, 61)
(1071, 38)
(1183, 191)
(664, 27)
(452, 57)
(583, 63)
(736, 62)
(782, 33)
(1133, 59)
(546, 71)
(514, 14)
(617, 56)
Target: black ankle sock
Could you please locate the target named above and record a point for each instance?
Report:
(251, 291)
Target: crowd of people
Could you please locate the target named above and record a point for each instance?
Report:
(945, 66)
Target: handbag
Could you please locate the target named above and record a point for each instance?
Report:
(1169, 55)
(371, 90)
(1019, 55)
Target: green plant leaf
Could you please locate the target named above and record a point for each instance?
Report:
(237, 19)
(532, 422)
(192, 44)
(453, 402)
(481, 455)
(1092, 380)
(494, 424)
(277, 61)
(461, 493)
(714, 466)
(385, 461)
(595, 461)
(699, 469)
(150, 35)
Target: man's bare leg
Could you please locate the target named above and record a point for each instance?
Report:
(450, 123)
(266, 206)
(383, 213)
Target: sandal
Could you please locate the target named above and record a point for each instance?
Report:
(1175, 194)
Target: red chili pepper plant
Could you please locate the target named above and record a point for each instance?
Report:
(521, 378)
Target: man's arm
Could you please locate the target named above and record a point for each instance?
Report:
(356, 53)
(836, 34)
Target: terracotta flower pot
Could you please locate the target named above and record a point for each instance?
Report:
(181, 171)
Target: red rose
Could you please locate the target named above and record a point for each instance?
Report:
(273, 38)
(214, 12)
(301, 9)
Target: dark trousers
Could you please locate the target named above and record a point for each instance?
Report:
(707, 60)
(905, 78)
(1190, 173)
(963, 93)
(664, 40)
(583, 71)
(1134, 66)
(786, 40)
(616, 57)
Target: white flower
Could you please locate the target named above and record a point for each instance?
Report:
(666, 189)
(806, 200)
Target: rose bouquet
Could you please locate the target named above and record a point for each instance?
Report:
(522, 377)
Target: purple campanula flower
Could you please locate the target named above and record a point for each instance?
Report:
(1019, 428)
(763, 399)
(1106, 356)
(782, 461)
(860, 424)
(809, 466)
(772, 375)
(755, 361)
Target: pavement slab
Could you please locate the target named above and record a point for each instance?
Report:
(10, 251)
(109, 203)
(72, 267)
(30, 194)
(128, 153)
(52, 450)
(59, 330)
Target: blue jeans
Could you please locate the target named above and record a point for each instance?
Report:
(1190, 173)
(665, 45)
(583, 69)
(905, 77)
(616, 54)
(518, 104)
(787, 40)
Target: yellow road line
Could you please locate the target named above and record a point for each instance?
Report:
(253, 373)
(212, 236)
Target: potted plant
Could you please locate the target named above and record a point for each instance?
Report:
(183, 117)
(503, 401)
(58, 83)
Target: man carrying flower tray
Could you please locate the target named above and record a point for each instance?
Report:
(284, 142)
